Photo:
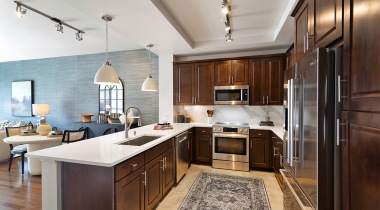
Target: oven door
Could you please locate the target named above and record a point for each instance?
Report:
(232, 147)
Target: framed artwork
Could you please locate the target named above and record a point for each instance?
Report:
(22, 98)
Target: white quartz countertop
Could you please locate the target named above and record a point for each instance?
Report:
(105, 150)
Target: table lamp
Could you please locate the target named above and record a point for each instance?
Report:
(41, 110)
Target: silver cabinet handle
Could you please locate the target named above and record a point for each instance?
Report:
(267, 99)
(339, 88)
(163, 164)
(133, 165)
(307, 41)
(304, 43)
(144, 178)
(263, 100)
(338, 139)
(259, 134)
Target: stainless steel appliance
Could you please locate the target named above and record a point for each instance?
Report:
(231, 95)
(182, 154)
(231, 146)
(310, 154)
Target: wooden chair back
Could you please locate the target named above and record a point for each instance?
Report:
(13, 131)
(70, 136)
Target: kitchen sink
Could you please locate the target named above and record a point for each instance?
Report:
(141, 140)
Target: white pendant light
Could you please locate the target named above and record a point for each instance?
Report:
(106, 75)
(149, 84)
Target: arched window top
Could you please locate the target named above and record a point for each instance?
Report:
(111, 98)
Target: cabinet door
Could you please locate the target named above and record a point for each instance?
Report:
(239, 72)
(361, 55)
(204, 83)
(327, 21)
(130, 191)
(259, 152)
(203, 149)
(153, 189)
(183, 84)
(222, 73)
(302, 24)
(257, 81)
(274, 70)
(190, 146)
(169, 170)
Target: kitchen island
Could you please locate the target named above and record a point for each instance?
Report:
(103, 152)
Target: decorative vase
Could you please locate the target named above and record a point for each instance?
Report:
(209, 120)
(44, 129)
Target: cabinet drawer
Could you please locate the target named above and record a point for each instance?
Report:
(167, 144)
(125, 168)
(203, 130)
(153, 153)
(259, 133)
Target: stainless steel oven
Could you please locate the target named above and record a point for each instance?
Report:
(231, 146)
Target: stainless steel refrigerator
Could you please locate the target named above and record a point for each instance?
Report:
(311, 157)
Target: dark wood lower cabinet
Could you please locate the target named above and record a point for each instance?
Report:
(130, 191)
(277, 158)
(168, 176)
(153, 188)
(360, 160)
(259, 151)
(203, 145)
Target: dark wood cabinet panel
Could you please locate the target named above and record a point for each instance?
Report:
(239, 72)
(361, 51)
(204, 83)
(257, 81)
(130, 191)
(327, 21)
(191, 146)
(168, 177)
(289, 57)
(203, 145)
(360, 160)
(222, 73)
(266, 81)
(277, 145)
(183, 84)
(259, 153)
(274, 80)
(153, 188)
(302, 28)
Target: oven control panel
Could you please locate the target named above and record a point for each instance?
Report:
(237, 130)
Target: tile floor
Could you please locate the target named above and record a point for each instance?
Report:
(174, 199)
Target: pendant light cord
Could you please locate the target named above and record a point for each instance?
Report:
(106, 40)
(150, 63)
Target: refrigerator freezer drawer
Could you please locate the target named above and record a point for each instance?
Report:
(294, 199)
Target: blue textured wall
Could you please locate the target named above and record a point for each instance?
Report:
(66, 83)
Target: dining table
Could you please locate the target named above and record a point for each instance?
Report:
(34, 143)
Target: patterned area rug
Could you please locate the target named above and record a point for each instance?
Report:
(219, 191)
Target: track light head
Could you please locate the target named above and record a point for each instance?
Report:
(20, 12)
(59, 28)
(228, 37)
(79, 36)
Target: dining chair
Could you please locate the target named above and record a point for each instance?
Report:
(70, 136)
(19, 150)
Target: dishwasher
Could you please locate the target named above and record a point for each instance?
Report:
(182, 155)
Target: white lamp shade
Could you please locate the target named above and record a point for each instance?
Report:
(149, 84)
(41, 109)
(106, 75)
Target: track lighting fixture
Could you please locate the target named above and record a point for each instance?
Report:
(21, 10)
(79, 36)
(59, 28)
(228, 37)
(225, 7)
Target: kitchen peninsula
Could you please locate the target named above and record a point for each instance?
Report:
(104, 154)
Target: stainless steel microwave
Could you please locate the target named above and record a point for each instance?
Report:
(231, 95)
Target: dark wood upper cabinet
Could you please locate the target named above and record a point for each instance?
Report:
(289, 57)
(194, 84)
(231, 72)
(361, 67)
(266, 81)
(204, 83)
(257, 81)
(222, 73)
(183, 84)
(239, 72)
(274, 70)
(317, 23)
(327, 21)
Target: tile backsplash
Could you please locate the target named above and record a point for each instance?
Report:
(232, 113)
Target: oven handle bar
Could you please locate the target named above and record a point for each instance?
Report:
(230, 135)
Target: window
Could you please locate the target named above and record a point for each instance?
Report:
(111, 98)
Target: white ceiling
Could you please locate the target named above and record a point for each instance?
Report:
(179, 27)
